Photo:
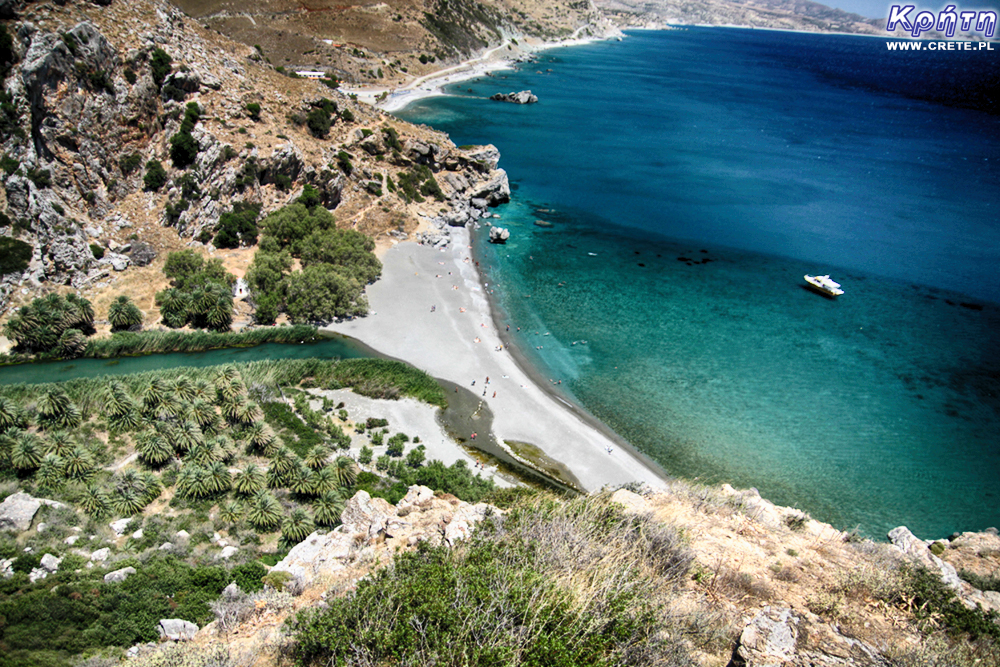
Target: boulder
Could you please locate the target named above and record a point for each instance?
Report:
(176, 629)
(72, 539)
(50, 563)
(120, 526)
(495, 189)
(116, 261)
(523, 97)
(166, 546)
(18, 510)
(499, 234)
(488, 156)
(6, 568)
(768, 639)
(364, 514)
(918, 551)
(100, 555)
(318, 555)
(118, 575)
(228, 552)
(142, 254)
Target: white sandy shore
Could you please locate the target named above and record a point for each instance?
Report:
(457, 341)
(409, 416)
(496, 59)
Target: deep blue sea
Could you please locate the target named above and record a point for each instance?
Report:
(671, 190)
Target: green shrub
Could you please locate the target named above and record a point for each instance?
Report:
(346, 116)
(253, 110)
(156, 176)
(318, 122)
(249, 576)
(237, 227)
(97, 250)
(15, 255)
(978, 581)
(42, 178)
(159, 65)
(130, 76)
(9, 164)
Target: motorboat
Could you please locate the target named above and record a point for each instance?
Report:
(824, 285)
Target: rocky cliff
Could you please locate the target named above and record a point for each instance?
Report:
(93, 94)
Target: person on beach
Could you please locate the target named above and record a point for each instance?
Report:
(494, 394)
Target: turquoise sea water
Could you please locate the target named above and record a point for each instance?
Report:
(689, 179)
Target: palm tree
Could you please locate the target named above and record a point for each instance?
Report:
(56, 409)
(184, 389)
(127, 502)
(250, 481)
(347, 471)
(174, 307)
(83, 311)
(260, 438)
(247, 412)
(202, 412)
(72, 343)
(231, 512)
(284, 460)
(218, 478)
(187, 435)
(317, 456)
(79, 464)
(50, 473)
(326, 479)
(58, 443)
(301, 480)
(203, 454)
(118, 406)
(11, 414)
(296, 527)
(264, 512)
(328, 508)
(26, 453)
(153, 448)
(123, 314)
(156, 395)
(225, 446)
(192, 481)
(153, 487)
(94, 501)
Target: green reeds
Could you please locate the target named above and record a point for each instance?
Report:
(128, 344)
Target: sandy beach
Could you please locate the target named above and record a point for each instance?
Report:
(497, 59)
(430, 310)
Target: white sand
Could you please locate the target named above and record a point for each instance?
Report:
(496, 59)
(443, 343)
(409, 416)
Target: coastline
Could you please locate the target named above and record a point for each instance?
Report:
(458, 341)
(498, 58)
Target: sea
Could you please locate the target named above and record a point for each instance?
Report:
(671, 190)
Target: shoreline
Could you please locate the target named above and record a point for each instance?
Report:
(491, 60)
(431, 310)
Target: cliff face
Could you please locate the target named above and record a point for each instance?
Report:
(90, 99)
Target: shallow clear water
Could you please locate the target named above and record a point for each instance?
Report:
(770, 155)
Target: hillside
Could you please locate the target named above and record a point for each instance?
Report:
(129, 124)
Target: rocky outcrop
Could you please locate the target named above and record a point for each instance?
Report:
(499, 234)
(523, 97)
(371, 525)
(18, 510)
(119, 575)
(176, 629)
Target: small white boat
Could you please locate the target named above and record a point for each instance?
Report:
(824, 285)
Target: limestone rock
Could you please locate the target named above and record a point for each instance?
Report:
(228, 552)
(116, 261)
(495, 189)
(100, 555)
(488, 155)
(142, 254)
(50, 563)
(523, 97)
(362, 513)
(120, 526)
(176, 629)
(318, 554)
(6, 568)
(769, 639)
(918, 551)
(166, 546)
(118, 575)
(499, 234)
(18, 510)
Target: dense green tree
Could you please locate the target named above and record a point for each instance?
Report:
(321, 293)
(318, 121)
(346, 249)
(237, 227)
(52, 324)
(290, 225)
